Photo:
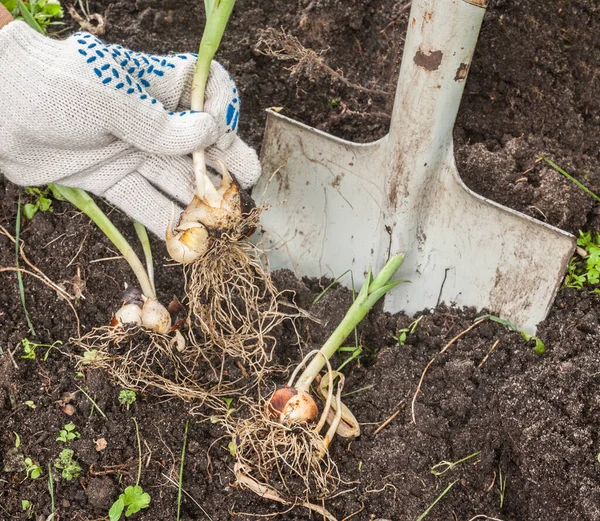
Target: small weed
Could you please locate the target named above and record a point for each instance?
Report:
(65, 462)
(29, 404)
(334, 103)
(134, 498)
(230, 408)
(89, 357)
(17, 440)
(33, 470)
(29, 348)
(540, 347)
(127, 397)
(68, 433)
(94, 404)
(41, 202)
(501, 486)
(586, 270)
(410, 330)
(444, 466)
(42, 12)
(355, 352)
(27, 507)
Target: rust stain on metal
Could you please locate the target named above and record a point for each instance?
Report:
(461, 72)
(430, 61)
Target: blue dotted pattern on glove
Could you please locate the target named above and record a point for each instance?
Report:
(132, 72)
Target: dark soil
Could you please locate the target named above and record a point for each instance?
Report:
(533, 420)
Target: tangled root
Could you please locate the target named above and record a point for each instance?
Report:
(142, 360)
(233, 300)
(290, 459)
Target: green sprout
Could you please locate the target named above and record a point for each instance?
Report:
(540, 347)
(586, 270)
(134, 498)
(68, 433)
(33, 470)
(41, 202)
(65, 462)
(29, 348)
(410, 330)
(444, 466)
(127, 397)
(42, 13)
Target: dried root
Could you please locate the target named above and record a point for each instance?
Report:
(290, 459)
(142, 360)
(233, 301)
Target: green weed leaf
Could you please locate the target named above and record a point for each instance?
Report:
(116, 509)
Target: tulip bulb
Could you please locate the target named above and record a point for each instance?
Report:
(188, 244)
(128, 314)
(155, 316)
(291, 405)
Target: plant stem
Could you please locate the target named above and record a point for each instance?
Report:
(180, 487)
(217, 15)
(139, 444)
(370, 293)
(51, 490)
(86, 204)
(93, 402)
(142, 234)
(19, 274)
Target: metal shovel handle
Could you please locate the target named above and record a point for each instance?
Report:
(439, 47)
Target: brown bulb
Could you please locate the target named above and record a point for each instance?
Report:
(291, 405)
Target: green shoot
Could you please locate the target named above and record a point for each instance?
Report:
(86, 204)
(142, 234)
(51, 491)
(139, 445)
(586, 270)
(446, 490)
(29, 404)
(93, 402)
(19, 275)
(134, 498)
(32, 469)
(410, 330)
(190, 497)
(27, 507)
(540, 347)
(333, 283)
(570, 178)
(70, 468)
(17, 440)
(127, 397)
(444, 466)
(39, 14)
(68, 433)
(90, 356)
(230, 409)
(180, 485)
(372, 290)
(355, 352)
(501, 486)
(217, 16)
(29, 348)
(41, 202)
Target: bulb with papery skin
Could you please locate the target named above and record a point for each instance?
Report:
(128, 314)
(289, 404)
(155, 316)
(188, 244)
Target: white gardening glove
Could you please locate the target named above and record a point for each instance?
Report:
(112, 121)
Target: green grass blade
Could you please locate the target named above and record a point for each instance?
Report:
(28, 17)
(571, 178)
(19, 274)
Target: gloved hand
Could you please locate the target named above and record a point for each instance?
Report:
(113, 122)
